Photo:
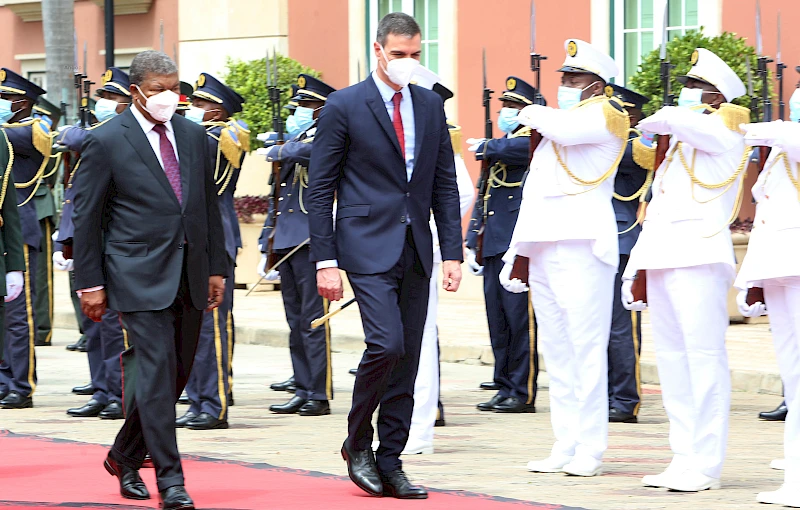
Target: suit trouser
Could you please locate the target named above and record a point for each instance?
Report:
(76, 302)
(310, 348)
(782, 298)
(44, 285)
(689, 315)
(512, 331)
(104, 345)
(209, 384)
(393, 307)
(18, 369)
(572, 292)
(164, 343)
(624, 348)
(426, 384)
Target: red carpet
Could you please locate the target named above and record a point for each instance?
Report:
(39, 473)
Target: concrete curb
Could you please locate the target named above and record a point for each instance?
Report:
(741, 380)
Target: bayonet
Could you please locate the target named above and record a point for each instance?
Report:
(161, 36)
(763, 72)
(536, 59)
(759, 44)
(533, 27)
(666, 66)
(780, 66)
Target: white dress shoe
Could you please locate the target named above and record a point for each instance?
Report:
(691, 481)
(583, 466)
(779, 464)
(659, 480)
(552, 464)
(783, 496)
(415, 446)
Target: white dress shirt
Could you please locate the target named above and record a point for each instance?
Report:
(153, 137)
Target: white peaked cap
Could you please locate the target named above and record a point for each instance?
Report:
(708, 67)
(424, 77)
(582, 57)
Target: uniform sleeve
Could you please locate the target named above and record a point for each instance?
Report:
(577, 126)
(705, 132)
(511, 151)
(21, 138)
(217, 257)
(298, 152)
(466, 190)
(12, 229)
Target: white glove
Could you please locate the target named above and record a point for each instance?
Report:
(659, 122)
(263, 151)
(272, 276)
(512, 285)
(272, 153)
(531, 115)
(627, 298)
(263, 137)
(262, 266)
(474, 141)
(472, 263)
(14, 284)
(61, 263)
(54, 236)
(757, 309)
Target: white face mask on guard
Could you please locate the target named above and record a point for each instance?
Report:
(161, 106)
(399, 70)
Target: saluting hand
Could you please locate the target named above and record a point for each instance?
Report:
(329, 283)
(452, 275)
(93, 304)
(216, 289)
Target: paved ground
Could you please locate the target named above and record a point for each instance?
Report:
(481, 452)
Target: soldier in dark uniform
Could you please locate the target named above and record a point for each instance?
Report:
(32, 145)
(209, 387)
(512, 327)
(624, 345)
(185, 100)
(310, 348)
(105, 340)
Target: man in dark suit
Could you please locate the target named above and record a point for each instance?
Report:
(383, 148)
(148, 235)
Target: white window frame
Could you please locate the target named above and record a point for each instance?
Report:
(406, 6)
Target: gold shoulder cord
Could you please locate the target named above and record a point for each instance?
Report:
(301, 174)
(6, 175)
(792, 178)
(43, 142)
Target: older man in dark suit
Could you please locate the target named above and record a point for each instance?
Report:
(383, 147)
(149, 244)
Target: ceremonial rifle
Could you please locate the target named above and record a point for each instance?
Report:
(780, 66)
(520, 268)
(277, 126)
(483, 183)
(639, 287)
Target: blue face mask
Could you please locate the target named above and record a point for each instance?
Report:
(304, 117)
(291, 126)
(569, 97)
(508, 120)
(794, 106)
(104, 109)
(5, 110)
(195, 114)
(690, 98)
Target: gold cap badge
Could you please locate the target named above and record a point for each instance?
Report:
(511, 84)
(107, 76)
(301, 82)
(695, 57)
(609, 90)
(572, 48)
(201, 80)
(2, 75)
(84, 102)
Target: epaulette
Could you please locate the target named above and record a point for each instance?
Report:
(242, 132)
(42, 139)
(617, 121)
(643, 155)
(733, 116)
(455, 138)
(231, 146)
(526, 131)
(98, 124)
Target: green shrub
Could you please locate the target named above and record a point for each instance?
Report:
(731, 48)
(249, 78)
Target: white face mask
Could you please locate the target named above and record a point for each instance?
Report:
(399, 70)
(568, 97)
(794, 106)
(161, 106)
(195, 114)
(105, 109)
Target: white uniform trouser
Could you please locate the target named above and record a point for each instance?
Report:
(689, 315)
(782, 298)
(572, 292)
(426, 385)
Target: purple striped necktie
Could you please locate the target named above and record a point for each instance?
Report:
(170, 162)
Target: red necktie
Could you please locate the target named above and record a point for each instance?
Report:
(397, 122)
(170, 162)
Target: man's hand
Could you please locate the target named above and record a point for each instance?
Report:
(15, 282)
(329, 283)
(216, 289)
(93, 304)
(452, 275)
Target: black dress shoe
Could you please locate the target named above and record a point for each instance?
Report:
(14, 400)
(3, 394)
(86, 389)
(617, 416)
(176, 498)
(352, 371)
(363, 470)
(186, 418)
(91, 409)
(396, 485)
(493, 386)
(490, 405)
(113, 411)
(205, 421)
(77, 345)
(315, 408)
(514, 405)
(292, 406)
(131, 485)
(779, 414)
(282, 386)
(42, 343)
(439, 415)
(184, 400)
(230, 399)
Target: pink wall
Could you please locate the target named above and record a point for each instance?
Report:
(318, 38)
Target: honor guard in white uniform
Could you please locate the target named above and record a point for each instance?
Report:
(772, 264)
(685, 252)
(567, 228)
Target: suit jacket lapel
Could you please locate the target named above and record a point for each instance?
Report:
(419, 121)
(375, 103)
(182, 140)
(141, 145)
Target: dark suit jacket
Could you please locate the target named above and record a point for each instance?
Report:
(130, 231)
(356, 156)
